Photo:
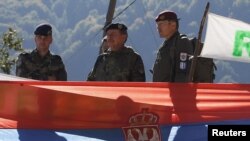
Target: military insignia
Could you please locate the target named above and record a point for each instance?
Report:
(183, 56)
(143, 127)
(183, 65)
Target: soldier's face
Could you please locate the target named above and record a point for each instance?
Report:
(115, 39)
(166, 28)
(43, 42)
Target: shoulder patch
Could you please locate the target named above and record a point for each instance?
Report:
(205, 67)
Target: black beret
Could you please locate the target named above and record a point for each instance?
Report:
(118, 26)
(43, 29)
(166, 15)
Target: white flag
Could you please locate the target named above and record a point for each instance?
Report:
(226, 39)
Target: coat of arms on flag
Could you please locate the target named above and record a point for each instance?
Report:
(143, 127)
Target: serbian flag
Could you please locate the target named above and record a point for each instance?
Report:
(121, 111)
(226, 39)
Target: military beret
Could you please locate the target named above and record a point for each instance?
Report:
(166, 15)
(43, 29)
(118, 26)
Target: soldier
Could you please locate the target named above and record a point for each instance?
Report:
(172, 63)
(119, 62)
(40, 64)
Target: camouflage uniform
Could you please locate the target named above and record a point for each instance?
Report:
(172, 63)
(31, 65)
(124, 65)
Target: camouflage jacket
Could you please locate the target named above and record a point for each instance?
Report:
(31, 65)
(172, 63)
(125, 65)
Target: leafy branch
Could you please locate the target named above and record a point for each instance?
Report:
(10, 43)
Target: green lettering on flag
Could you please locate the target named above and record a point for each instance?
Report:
(242, 40)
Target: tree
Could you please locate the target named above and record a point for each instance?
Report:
(10, 44)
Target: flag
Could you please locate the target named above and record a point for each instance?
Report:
(119, 111)
(226, 39)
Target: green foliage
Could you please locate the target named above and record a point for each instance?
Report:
(10, 43)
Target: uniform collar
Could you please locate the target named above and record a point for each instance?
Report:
(174, 35)
(36, 55)
(125, 49)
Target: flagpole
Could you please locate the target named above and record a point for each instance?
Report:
(109, 18)
(198, 45)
